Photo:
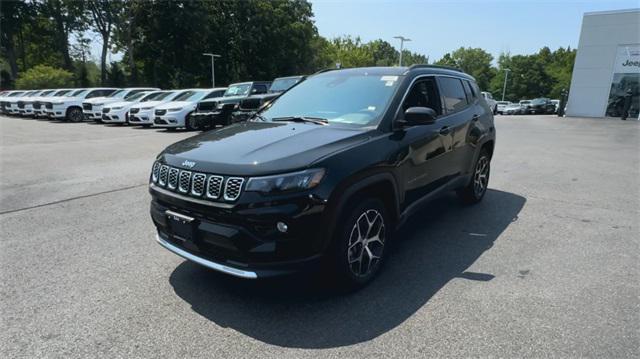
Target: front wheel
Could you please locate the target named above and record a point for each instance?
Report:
(75, 114)
(190, 123)
(359, 245)
(477, 187)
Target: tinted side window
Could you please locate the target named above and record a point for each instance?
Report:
(96, 93)
(453, 94)
(258, 89)
(468, 89)
(214, 94)
(424, 93)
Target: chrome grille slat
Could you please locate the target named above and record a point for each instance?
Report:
(232, 188)
(164, 170)
(155, 172)
(197, 184)
(214, 187)
(172, 183)
(184, 182)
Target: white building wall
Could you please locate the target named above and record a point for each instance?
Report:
(601, 34)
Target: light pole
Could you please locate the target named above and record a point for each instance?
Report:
(402, 40)
(504, 87)
(213, 72)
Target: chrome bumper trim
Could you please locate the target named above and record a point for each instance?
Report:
(205, 262)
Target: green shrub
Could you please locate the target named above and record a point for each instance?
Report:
(42, 77)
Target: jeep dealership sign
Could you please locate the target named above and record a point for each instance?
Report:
(627, 59)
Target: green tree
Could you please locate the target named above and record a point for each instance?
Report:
(115, 75)
(105, 14)
(42, 77)
(474, 61)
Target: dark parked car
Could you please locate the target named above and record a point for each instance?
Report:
(323, 175)
(248, 106)
(217, 111)
(541, 106)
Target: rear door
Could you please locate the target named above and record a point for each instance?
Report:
(459, 115)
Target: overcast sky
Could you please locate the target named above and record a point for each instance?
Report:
(437, 26)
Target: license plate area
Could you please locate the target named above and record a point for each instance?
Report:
(181, 227)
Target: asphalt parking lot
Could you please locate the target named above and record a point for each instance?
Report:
(546, 265)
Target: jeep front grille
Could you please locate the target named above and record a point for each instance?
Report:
(184, 182)
(173, 178)
(20, 104)
(160, 112)
(207, 106)
(209, 186)
(134, 110)
(87, 106)
(197, 185)
(37, 105)
(232, 188)
(214, 187)
(106, 110)
(48, 105)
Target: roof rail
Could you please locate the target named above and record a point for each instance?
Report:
(426, 66)
(326, 70)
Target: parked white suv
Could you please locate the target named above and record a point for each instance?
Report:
(92, 108)
(25, 104)
(142, 113)
(118, 112)
(69, 107)
(6, 99)
(174, 114)
(488, 98)
(13, 102)
(39, 109)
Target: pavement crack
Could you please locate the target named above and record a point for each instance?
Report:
(72, 199)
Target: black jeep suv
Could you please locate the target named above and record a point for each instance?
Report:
(250, 105)
(325, 173)
(217, 111)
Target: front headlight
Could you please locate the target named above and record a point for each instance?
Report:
(175, 109)
(117, 108)
(57, 103)
(295, 181)
(145, 108)
(98, 104)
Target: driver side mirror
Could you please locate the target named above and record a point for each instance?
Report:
(414, 116)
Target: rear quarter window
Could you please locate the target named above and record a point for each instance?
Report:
(453, 94)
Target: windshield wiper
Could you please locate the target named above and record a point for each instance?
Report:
(259, 117)
(316, 120)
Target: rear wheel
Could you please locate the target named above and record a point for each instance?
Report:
(359, 245)
(74, 114)
(190, 123)
(477, 187)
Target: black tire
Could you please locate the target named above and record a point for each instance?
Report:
(190, 123)
(350, 255)
(74, 114)
(477, 187)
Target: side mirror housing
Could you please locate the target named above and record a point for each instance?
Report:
(414, 116)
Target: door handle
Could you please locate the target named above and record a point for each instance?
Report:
(445, 130)
(475, 118)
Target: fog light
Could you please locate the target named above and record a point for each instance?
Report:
(282, 227)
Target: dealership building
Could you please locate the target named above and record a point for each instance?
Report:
(607, 65)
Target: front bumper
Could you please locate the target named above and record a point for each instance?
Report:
(94, 114)
(168, 120)
(56, 112)
(114, 117)
(141, 118)
(242, 239)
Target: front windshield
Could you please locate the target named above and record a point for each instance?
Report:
(190, 96)
(357, 99)
(136, 96)
(539, 101)
(16, 94)
(61, 93)
(118, 94)
(280, 85)
(77, 93)
(237, 90)
(44, 93)
(159, 96)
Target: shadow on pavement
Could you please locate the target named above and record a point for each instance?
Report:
(436, 245)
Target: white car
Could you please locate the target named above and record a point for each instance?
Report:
(4, 101)
(118, 112)
(12, 102)
(25, 104)
(39, 109)
(142, 113)
(502, 105)
(174, 114)
(488, 98)
(92, 108)
(69, 107)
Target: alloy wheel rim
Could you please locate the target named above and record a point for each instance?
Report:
(366, 243)
(481, 176)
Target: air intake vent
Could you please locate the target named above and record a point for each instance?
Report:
(155, 172)
(184, 182)
(172, 183)
(197, 185)
(164, 171)
(232, 188)
(214, 187)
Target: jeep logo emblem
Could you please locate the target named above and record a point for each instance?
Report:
(188, 163)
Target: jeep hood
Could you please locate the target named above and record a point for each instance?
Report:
(259, 148)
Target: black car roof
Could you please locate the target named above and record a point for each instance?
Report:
(399, 71)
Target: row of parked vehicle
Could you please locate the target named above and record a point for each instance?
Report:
(536, 106)
(194, 108)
